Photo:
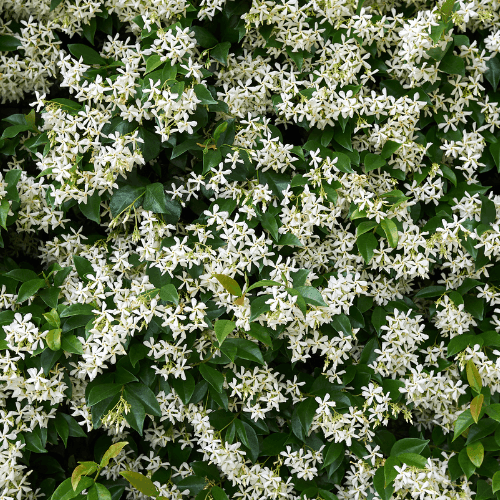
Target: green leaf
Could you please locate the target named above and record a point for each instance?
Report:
(4, 211)
(390, 147)
(151, 145)
(246, 349)
(269, 223)
(154, 200)
(430, 291)
(475, 407)
(449, 174)
(102, 391)
(168, 293)
(391, 231)
(140, 482)
(8, 42)
(113, 451)
(223, 328)
(473, 376)
(303, 416)
(152, 62)
(465, 463)
(496, 481)
(408, 445)
(259, 332)
(83, 267)
(194, 484)
(78, 309)
(413, 460)
(462, 423)
(90, 56)
(221, 128)
(218, 493)
(341, 323)
(373, 161)
(332, 453)
(204, 37)
(203, 94)
(62, 428)
(98, 492)
(65, 491)
(296, 57)
(92, 209)
(259, 306)
(137, 414)
(311, 296)
(276, 182)
(213, 377)
(220, 52)
(492, 74)
(125, 198)
(273, 444)
(365, 226)
(54, 4)
(146, 396)
(493, 410)
(390, 473)
(263, 283)
(84, 469)
(29, 288)
(488, 211)
(495, 153)
(367, 243)
(289, 239)
(460, 342)
(53, 339)
(211, 158)
(229, 284)
(452, 64)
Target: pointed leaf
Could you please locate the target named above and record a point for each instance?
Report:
(140, 482)
(223, 328)
(113, 451)
(229, 284)
(391, 232)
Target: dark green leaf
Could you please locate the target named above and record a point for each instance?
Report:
(8, 42)
(89, 55)
(213, 377)
(29, 288)
(154, 200)
(367, 243)
(220, 52)
(101, 392)
(146, 396)
(125, 198)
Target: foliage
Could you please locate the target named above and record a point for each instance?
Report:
(250, 249)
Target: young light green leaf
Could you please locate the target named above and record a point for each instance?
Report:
(113, 451)
(66, 492)
(53, 339)
(229, 284)
(473, 376)
(84, 469)
(475, 407)
(475, 452)
(140, 482)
